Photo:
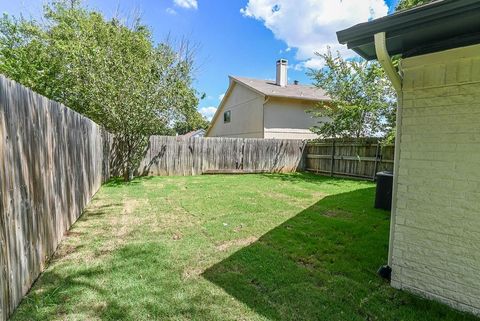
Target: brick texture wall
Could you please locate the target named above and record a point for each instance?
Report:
(436, 237)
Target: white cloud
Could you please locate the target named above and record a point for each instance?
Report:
(312, 63)
(311, 25)
(187, 4)
(208, 112)
(170, 11)
(220, 97)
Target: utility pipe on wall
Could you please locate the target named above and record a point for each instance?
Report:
(386, 62)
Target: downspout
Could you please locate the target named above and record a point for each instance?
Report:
(265, 101)
(386, 62)
(384, 59)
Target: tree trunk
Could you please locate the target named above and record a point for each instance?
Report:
(128, 173)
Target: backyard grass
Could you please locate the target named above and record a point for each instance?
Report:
(254, 247)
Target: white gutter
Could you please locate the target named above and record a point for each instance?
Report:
(265, 101)
(386, 62)
(384, 59)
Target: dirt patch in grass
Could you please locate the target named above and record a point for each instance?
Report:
(121, 225)
(337, 213)
(307, 263)
(64, 251)
(192, 273)
(130, 205)
(174, 217)
(294, 198)
(235, 243)
(177, 236)
(239, 228)
(70, 233)
(280, 196)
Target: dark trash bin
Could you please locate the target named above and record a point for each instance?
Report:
(383, 195)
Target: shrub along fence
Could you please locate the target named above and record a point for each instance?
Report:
(358, 158)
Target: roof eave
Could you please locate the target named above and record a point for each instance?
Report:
(220, 106)
(232, 78)
(360, 37)
(300, 98)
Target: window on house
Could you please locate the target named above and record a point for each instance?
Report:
(226, 116)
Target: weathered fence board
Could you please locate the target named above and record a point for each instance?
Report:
(169, 156)
(359, 158)
(51, 164)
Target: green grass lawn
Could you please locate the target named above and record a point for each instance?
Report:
(254, 247)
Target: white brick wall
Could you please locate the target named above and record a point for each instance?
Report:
(436, 237)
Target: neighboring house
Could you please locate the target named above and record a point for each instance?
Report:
(195, 133)
(267, 109)
(435, 227)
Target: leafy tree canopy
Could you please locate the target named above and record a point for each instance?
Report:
(407, 4)
(108, 70)
(363, 100)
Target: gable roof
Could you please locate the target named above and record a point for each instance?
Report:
(271, 89)
(436, 26)
(268, 88)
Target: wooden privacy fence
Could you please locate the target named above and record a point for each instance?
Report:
(359, 158)
(52, 161)
(168, 156)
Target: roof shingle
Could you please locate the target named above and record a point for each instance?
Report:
(270, 88)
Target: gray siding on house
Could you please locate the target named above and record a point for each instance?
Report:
(246, 108)
(289, 119)
(254, 116)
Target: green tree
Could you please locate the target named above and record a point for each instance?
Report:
(191, 122)
(407, 4)
(105, 69)
(363, 100)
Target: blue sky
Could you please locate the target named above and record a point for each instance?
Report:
(239, 37)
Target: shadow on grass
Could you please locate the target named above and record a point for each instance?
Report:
(61, 292)
(135, 283)
(55, 293)
(99, 211)
(321, 265)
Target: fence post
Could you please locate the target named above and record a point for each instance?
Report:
(333, 159)
(377, 155)
(344, 158)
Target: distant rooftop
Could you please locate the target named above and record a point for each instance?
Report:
(194, 133)
(270, 88)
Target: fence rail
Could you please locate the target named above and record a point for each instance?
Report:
(357, 158)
